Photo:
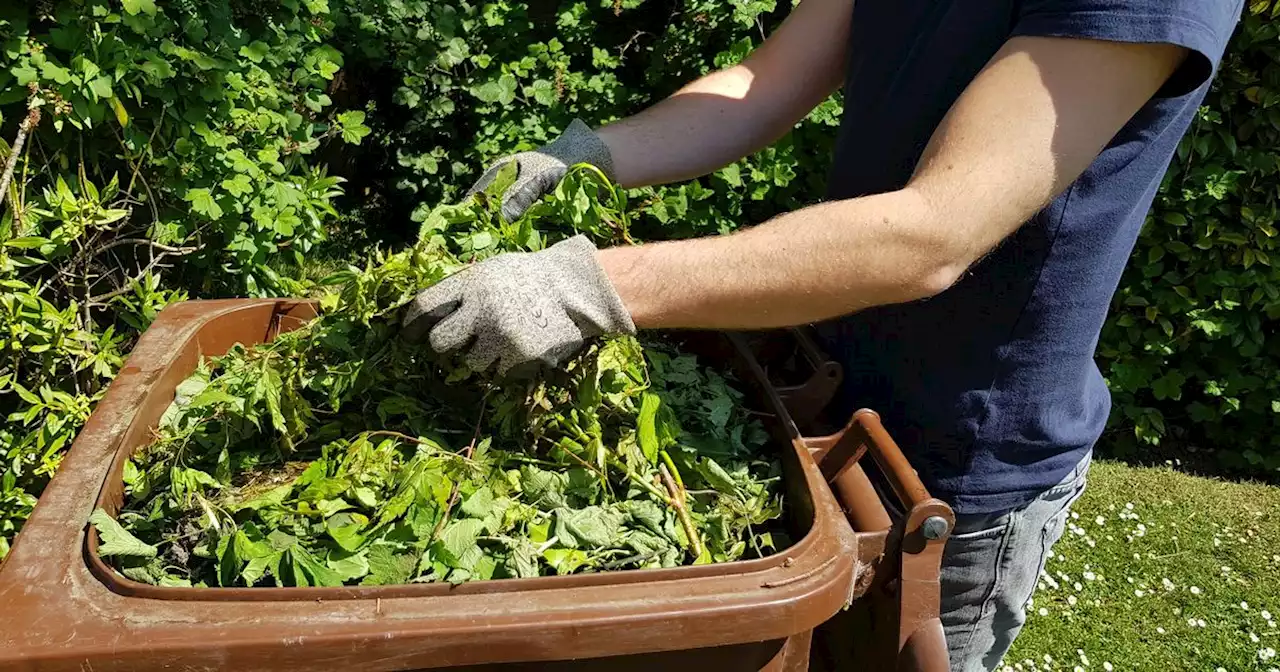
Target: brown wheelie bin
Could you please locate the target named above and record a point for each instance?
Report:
(62, 608)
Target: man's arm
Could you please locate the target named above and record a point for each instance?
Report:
(732, 113)
(1022, 132)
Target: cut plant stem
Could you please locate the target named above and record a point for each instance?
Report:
(604, 479)
(682, 512)
(466, 454)
(639, 480)
(675, 473)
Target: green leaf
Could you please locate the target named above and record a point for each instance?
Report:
(271, 498)
(366, 497)
(543, 488)
(479, 504)
(352, 124)
(349, 567)
(136, 6)
(543, 91)
(716, 476)
(387, 568)
(592, 527)
(720, 409)
(563, 560)
(317, 573)
(348, 530)
(505, 177)
(646, 513)
(25, 74)
(732, 175)
(330, 507)
(55, 73)
(229, 560)
(237, 185)
(501, 90)
(115, 541)
(101, 87)
(202, 202)
(458, 538)
(26, 242)
(1168, 386)
(646, 426)
(522, 561)
(255, 51)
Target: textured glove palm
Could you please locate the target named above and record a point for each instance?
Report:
(539, 171)
(520, 308)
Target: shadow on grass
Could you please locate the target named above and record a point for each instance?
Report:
(1188, 457)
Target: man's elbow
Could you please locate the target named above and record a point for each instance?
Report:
(937, 247)
(937, 278)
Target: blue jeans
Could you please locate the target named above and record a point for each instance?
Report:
(990, 568)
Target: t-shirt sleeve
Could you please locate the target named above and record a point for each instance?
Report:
(1202, 26)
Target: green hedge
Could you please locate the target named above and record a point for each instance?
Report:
(216, 135)
(173, 154)
(1192, 349)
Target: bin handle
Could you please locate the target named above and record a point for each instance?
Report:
(917, 545)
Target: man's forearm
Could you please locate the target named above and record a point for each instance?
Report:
(735, 112)
(703, 127)
(1022, 132)
(805, 266)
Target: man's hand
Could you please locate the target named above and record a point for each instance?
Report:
(539, 171)
(520, 308)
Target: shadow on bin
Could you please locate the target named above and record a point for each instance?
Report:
(893, 621)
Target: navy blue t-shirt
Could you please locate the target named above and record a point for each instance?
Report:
(991, 387)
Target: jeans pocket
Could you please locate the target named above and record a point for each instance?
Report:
(977, 526)
(1055, 524)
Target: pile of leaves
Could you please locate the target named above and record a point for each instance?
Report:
(339, 454)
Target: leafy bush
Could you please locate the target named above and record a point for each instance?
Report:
(168, 153)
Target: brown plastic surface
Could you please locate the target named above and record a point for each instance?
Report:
(63, 609)
(895, 624)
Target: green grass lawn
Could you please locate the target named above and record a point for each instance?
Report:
(1160, 571)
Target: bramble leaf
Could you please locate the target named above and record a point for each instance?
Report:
(115, 541)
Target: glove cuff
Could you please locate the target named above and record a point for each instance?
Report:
(580, 144)
(603, 309)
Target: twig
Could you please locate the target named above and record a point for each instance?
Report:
(137, 166)
(124, 289)
(33, 118)
(143, 241)
(622, 53)
(695, 543)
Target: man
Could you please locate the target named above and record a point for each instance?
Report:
(995, 164)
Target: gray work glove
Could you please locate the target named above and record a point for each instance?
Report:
(520, 308)
(539, 171)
